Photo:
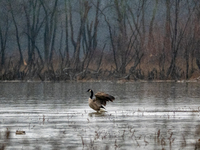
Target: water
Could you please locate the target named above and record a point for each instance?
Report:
(57, 116)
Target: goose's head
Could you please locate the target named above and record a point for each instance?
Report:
(89, 90)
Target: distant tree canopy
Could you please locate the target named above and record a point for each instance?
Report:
(94, 39)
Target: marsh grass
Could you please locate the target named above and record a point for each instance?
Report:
(4, 139)
(122, 135)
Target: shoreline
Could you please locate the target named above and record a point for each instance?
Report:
(116, 81)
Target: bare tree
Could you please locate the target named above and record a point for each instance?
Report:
(125, 39)
(77, 44)
(50, 26)
(150, 36)
(166, 42)
(34, 22)
(190, 41)
(4, 28)
(66, 54)
(177, 34)
(196, 52)
(17, 34)
(134, 30)
(90, 38)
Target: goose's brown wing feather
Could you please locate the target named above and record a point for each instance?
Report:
(102, 97)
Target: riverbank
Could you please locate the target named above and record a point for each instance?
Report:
(92, 75)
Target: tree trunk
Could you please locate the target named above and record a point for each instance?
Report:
(67, 61)
(174, 44)
(76, 59)
(17, 35)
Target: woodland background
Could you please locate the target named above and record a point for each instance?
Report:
(99, 39)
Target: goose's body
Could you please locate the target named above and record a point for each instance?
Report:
(99, 101)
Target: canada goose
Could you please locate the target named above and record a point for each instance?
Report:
(100, 100)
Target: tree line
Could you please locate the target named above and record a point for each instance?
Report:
(94, 39)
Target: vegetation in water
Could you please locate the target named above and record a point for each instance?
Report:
(126, 136)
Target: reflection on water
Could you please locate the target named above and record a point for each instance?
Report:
(143, 116)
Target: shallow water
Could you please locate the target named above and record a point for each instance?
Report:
(57, 116)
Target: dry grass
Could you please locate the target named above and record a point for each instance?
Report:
(148, 69)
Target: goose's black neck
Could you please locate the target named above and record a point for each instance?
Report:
(91, 94)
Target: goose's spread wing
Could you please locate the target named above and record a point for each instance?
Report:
(102, 97)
